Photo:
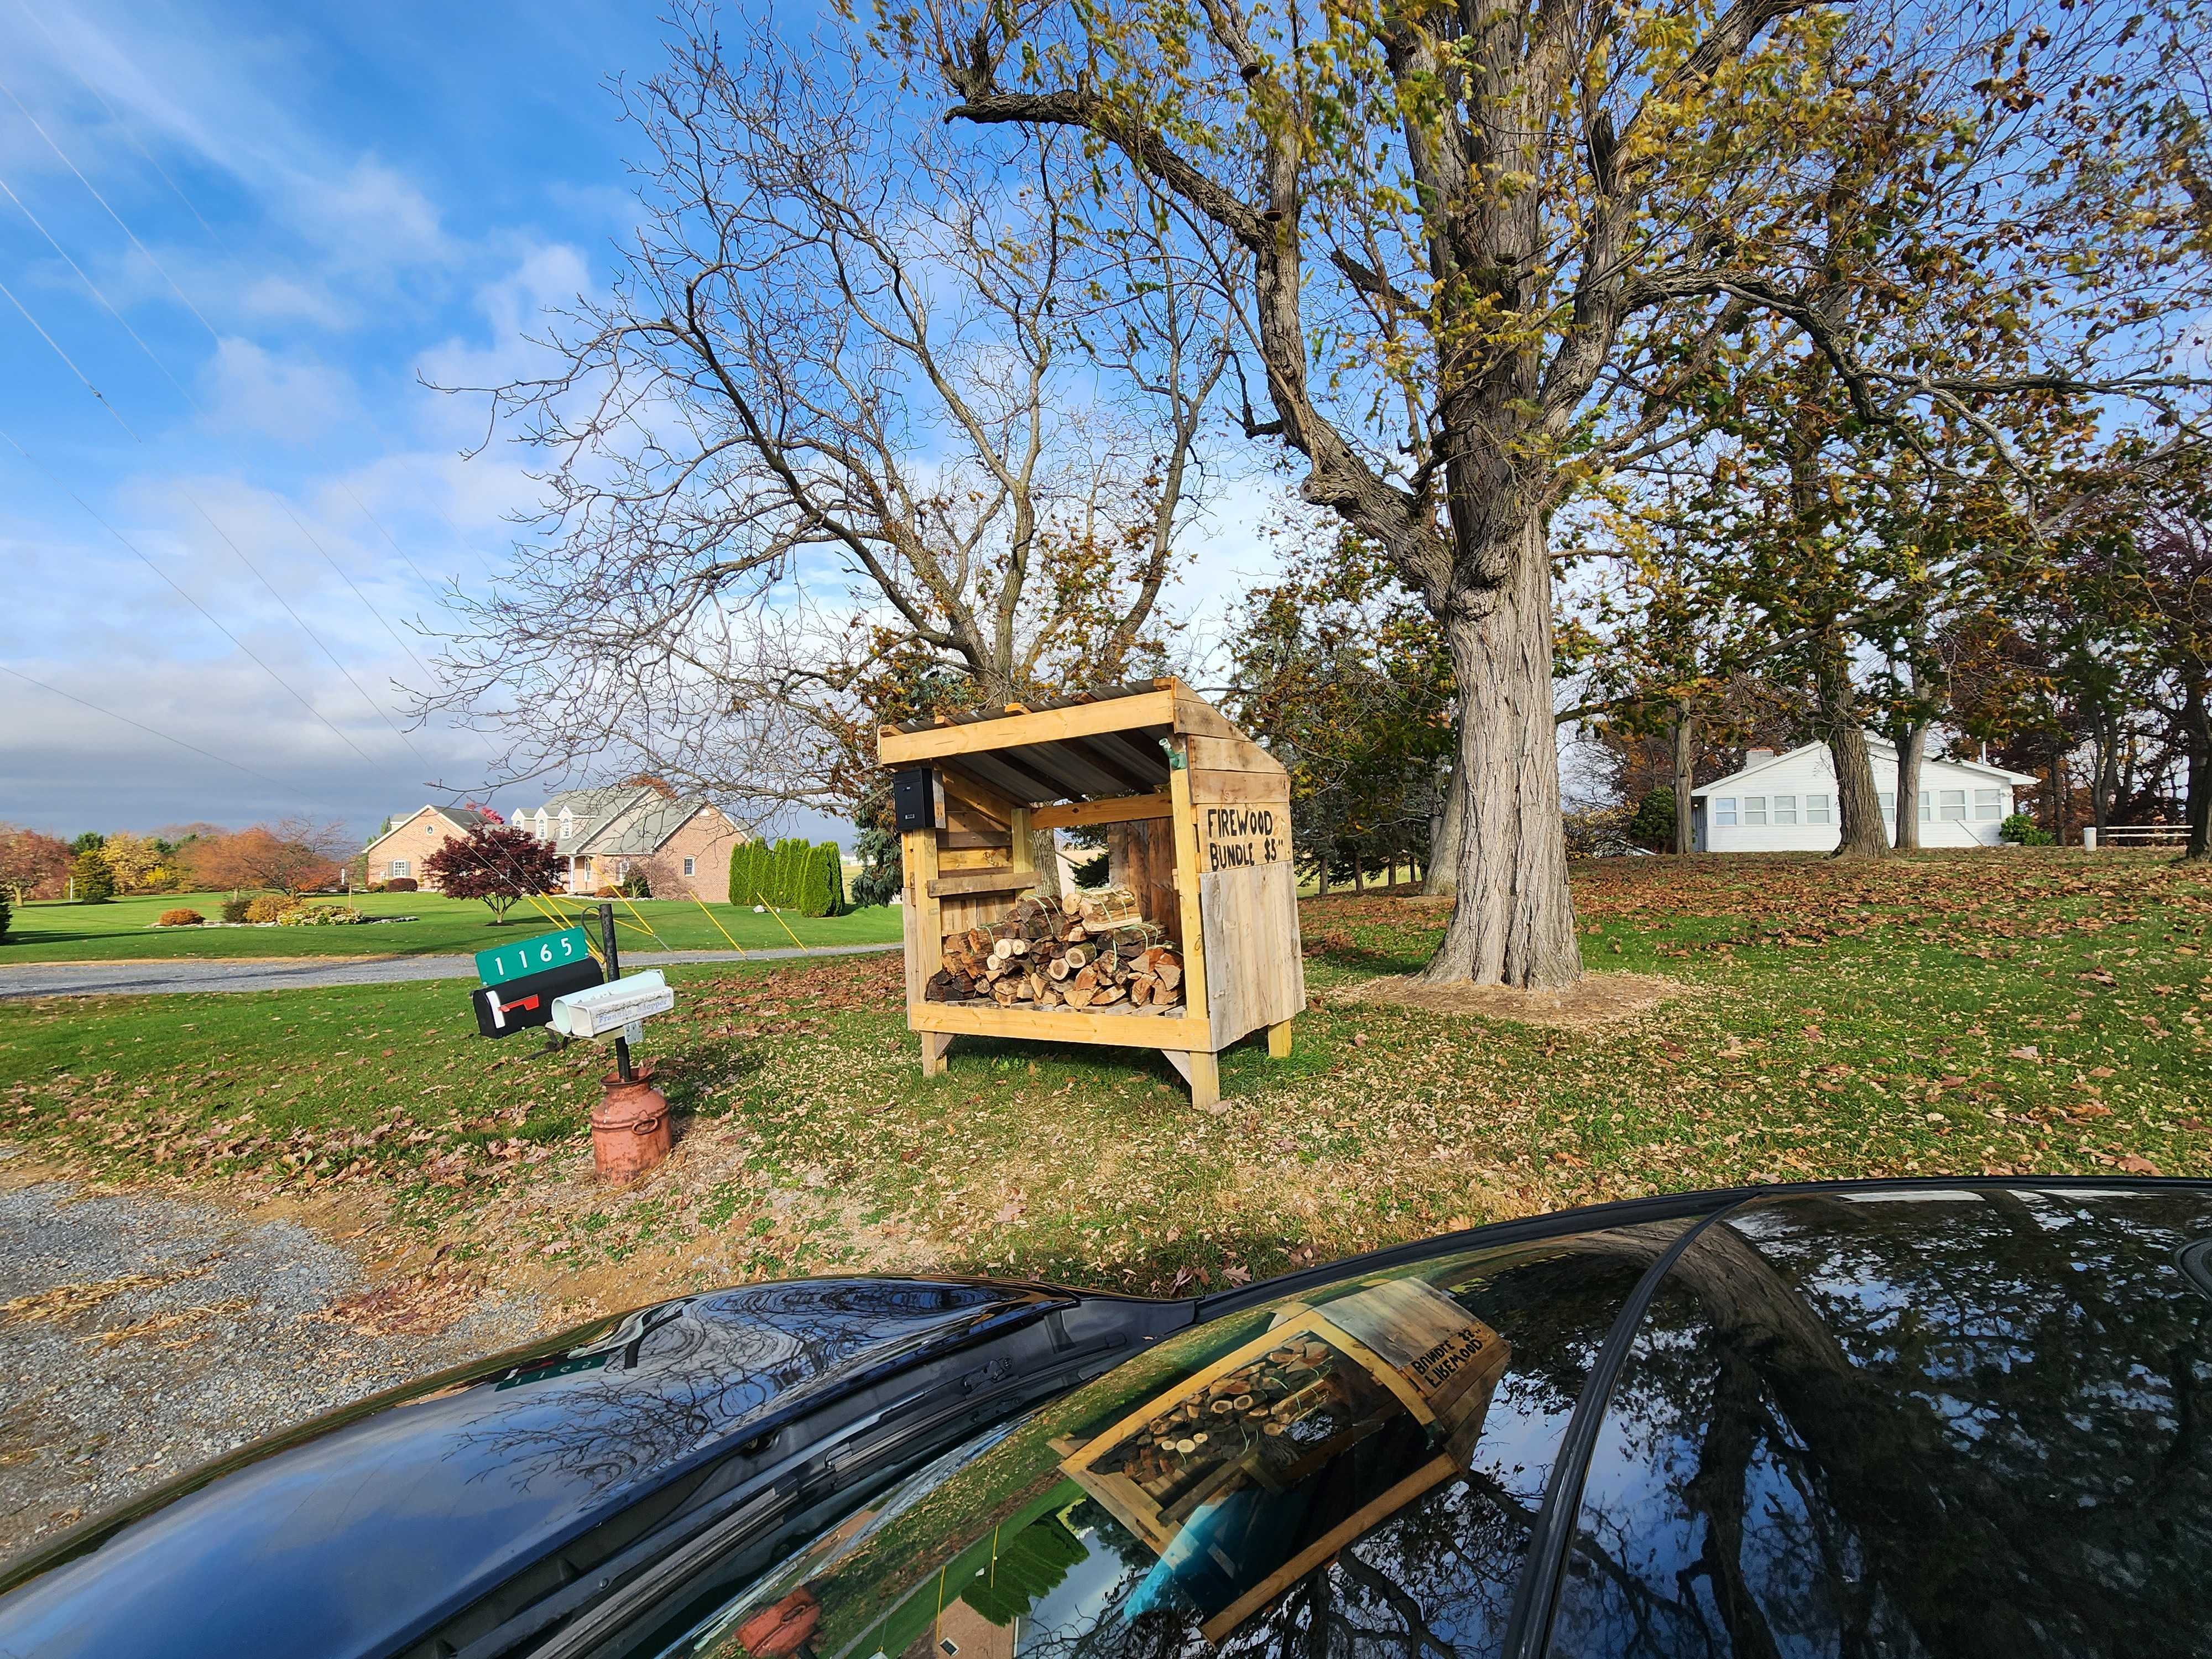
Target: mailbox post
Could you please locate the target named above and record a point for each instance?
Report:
(614, 973)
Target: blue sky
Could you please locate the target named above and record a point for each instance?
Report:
(288, 219)
(388, 193)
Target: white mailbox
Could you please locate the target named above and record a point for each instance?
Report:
(605, 1010)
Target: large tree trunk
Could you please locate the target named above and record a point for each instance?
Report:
(2196, 725)
(1446, 827)
(1514, 923)
(1686, 750)
(1858, 802)
(1910, 754)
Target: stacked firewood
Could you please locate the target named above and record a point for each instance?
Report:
(1085, 952)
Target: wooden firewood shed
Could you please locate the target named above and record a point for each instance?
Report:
(1197, 819)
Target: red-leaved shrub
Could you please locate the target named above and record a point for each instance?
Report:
(180, 919)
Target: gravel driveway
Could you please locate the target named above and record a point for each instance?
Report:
(146, 1334)
(87, 979)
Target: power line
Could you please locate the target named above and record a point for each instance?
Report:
(213, 621)
(141, 724)
(180, 294)
(155, 358)
(123, 127)
(112, 213)
(40, 225)
(98, 396)
(366, 602)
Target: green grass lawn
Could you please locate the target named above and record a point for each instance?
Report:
(2029, 1013)
(124, 929)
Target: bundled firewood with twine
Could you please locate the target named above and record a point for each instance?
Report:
(1091, 949)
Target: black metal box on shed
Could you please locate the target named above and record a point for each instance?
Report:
(917, 798)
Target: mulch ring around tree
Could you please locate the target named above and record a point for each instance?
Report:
(1597, 1000)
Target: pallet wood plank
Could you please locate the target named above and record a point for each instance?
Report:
(1000, 880)
(1018, 731)
(1116, 809)
(1255, 973)
(1126, 1029)
(974, 792)
(1232, 755)
(918, 848)
(1212, 788)
(1184, 829)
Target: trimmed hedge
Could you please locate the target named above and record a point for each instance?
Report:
(789, 876)
(234, 909)
(180, 919)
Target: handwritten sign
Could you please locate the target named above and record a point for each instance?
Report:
(1239, 837)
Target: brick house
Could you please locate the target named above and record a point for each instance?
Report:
(603, 834)
(405, 847)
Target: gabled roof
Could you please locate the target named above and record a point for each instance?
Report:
(462, 819)
(1887, 751)
(465, 818)
(623, 821)
(640, 832)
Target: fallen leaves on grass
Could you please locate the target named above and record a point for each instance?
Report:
(1600, 1000)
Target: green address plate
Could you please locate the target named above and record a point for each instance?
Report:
(531, 956)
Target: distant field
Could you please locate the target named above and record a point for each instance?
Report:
(124, 930)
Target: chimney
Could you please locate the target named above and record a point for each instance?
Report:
(1753, 756)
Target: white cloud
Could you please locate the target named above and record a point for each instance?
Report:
(292, 399)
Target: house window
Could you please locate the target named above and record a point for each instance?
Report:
(1989, 806)
(398, 866)
(1754, 810)
(1816, 809)
(568, 826)
(1926, 808)
(1785, 808)
(690, 866)
(1889, 805)
(1951, 805)
(1724, 812)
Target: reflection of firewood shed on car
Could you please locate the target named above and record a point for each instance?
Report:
(1195, 945)
(1247, 1476)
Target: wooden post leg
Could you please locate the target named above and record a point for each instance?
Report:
(1201, 1071)
(1279, 1040)
(933, 1045)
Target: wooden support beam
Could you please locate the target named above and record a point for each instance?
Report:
(983, 881)
(1116, 809)
(1014, 731)
(1202, 1071)
(1183, 826)
(924, 937)
(933, 1045)
(1279, 1040)
(1170, 1032)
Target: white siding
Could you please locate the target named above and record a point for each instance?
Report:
(1773, 804)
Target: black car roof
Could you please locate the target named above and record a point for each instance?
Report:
(374, 1526)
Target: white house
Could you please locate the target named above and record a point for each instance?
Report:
(1786, 802)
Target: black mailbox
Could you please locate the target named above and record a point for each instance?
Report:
(917, 799)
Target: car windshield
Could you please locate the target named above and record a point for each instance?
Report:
(1373, 1453)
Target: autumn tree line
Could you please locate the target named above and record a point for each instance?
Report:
(1680, 372)
(292, 856)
